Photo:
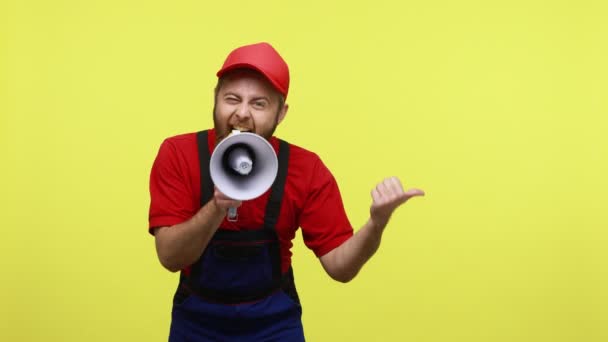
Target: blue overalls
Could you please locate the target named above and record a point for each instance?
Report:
(235, 291)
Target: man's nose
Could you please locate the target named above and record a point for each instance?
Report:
(242, 112)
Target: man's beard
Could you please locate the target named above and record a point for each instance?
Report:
(224, 130)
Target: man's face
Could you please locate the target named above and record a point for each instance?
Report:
(247, 102)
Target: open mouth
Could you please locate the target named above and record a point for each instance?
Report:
(239, 128)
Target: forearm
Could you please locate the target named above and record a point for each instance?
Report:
(181, 245)
(346, 260)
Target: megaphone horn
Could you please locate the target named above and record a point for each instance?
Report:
(243, 166)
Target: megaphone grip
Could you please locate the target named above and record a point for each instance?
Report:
(232, 214)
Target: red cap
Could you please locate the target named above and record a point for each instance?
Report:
(263, 58)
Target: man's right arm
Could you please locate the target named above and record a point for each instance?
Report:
(181, 245)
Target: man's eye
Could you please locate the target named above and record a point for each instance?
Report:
(259, 104)
(231, 100)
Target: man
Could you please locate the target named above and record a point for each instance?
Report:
(236, 281)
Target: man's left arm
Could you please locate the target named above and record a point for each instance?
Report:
(345, 261)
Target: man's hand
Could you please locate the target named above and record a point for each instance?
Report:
(345, 261)
(223, 202)
(182, 244)
(388, 196)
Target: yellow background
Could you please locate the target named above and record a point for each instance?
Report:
(498, 110)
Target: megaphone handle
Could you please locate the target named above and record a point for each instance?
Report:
(232, 214)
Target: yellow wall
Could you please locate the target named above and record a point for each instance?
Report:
(497, 109)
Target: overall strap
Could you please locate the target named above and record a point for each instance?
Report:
(207, 186)
(273, 208)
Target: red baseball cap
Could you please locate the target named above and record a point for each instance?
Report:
(263, 58)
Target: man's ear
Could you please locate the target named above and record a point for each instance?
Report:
(283, 113)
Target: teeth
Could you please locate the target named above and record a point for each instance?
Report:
(240, 129)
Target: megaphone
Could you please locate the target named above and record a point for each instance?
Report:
(243, 166)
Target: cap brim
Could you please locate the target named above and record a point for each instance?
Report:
(251, 67)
